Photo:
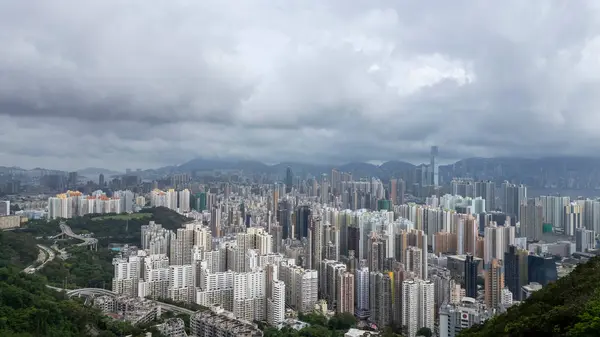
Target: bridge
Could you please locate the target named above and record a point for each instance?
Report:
(67, 232)
(91, 292)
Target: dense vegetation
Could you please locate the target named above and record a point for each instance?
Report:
(320, 326)
(568, 308)
(83, 269)
(17, 249)
(111, 228)
(29, 309)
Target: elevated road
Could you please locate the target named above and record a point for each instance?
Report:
(65, 230)
(103, 292)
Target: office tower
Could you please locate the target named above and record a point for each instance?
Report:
(289, 180)
(494, 283)
(276, 303)
(184, 200)
(101, 181)
(487, 191)
(362, 293)
(585, 240)
(541, 269)
(417, 302)
(456, 317)
(572, 218)
(515, 270)
(303, 214)
(532, 217)
(497, 241)
(433, 166)
(345, 296)
(513, 197)
(471, 276)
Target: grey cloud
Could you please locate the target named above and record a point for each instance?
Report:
(113, 84)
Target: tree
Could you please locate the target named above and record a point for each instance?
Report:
(424, 331)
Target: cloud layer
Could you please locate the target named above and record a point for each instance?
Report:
(142, 84)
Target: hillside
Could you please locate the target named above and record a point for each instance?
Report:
(30, 309)
(570, 308)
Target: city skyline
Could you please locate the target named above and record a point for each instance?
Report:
(332, 83)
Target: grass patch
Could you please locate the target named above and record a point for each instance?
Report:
(132, 216)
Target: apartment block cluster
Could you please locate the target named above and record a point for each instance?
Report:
(359, 247)
(74, 203)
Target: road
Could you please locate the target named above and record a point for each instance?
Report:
(45, 255)
(66, 229)
(100, 292)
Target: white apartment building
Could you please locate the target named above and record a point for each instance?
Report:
(418, 305)
(276, 303)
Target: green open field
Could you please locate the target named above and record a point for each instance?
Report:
(124, 216)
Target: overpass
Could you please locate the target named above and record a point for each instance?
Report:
(90, 292)
(66, 231)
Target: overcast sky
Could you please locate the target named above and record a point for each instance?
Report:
(116, 84)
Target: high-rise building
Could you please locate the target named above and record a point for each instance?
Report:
(515, 270)
(345, 296)
(289, 180)
(471, 276)
(572, 218)
(494, 283)
(433, 166)
(302, 224)
(497, 241)
(532, 218)
(554, 209)
(276, 303)
(585, 240)
(487, 191)
(362, 293)
(418, 302)
(513, 197)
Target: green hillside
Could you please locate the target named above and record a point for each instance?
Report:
(570, 307)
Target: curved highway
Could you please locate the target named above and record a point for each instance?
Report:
(66, 230)
(100, 292)
(46, 255)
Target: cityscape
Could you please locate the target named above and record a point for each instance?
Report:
(299, 168)
(416, 254)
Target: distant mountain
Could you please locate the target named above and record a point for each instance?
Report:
(359, 170)
(95, 172)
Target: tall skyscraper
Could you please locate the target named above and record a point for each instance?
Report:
(289, 180)
(433, 166)
(585, 240)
